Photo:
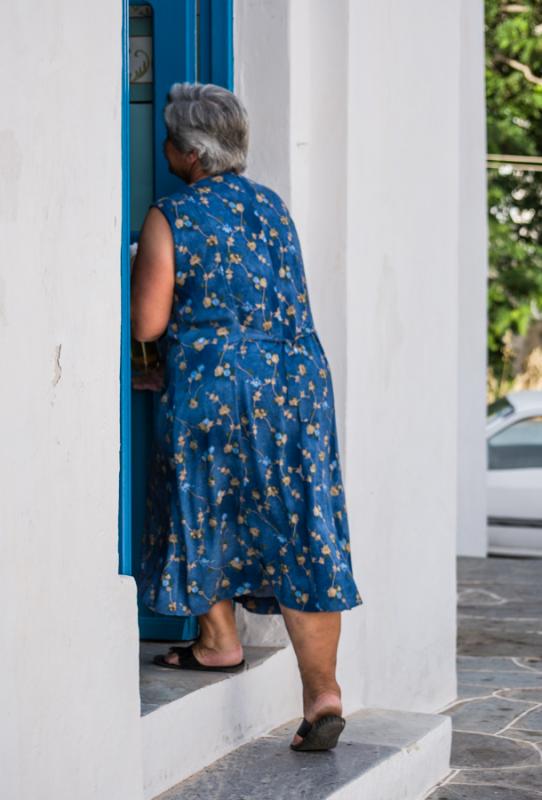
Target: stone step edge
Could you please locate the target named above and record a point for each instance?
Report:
(383, 754)
(186, 735)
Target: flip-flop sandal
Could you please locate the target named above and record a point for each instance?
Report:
(322, 734)
(189, 661)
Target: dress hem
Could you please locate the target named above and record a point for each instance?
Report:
(243, 599)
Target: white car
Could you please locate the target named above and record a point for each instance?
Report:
(514, 474)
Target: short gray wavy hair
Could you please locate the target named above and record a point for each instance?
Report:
(210, 120)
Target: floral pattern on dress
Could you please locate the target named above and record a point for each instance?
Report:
(245, 495)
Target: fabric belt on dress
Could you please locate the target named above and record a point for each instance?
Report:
(254, 334)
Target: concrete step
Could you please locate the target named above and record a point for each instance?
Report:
(382, 755)
(190, 719)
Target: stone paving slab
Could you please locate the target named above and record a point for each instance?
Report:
(496, 664)
(479, 750)
(489, 715)
(510, 611)
(525, 735)
(501, 680)
(534, 695)
(532, 720)
(497, 719)
(498, 591)
(499, 637)
(499, 606)
(484, 792)
(466, 691)
(489, 571)
(534, 662)
(527, 778)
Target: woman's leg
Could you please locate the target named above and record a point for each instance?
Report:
(315, 638)
(218, 644)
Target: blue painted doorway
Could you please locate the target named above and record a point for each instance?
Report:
(164, 41)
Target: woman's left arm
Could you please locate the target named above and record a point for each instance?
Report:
(153, 279)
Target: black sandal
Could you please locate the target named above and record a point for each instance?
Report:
(323, 734)
(189, 661)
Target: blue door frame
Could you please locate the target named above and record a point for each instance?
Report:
(192, 40)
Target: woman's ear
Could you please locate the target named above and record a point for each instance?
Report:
(193, 155)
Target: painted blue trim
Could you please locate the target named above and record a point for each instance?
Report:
(215, 51)
(174, 61)
(222, 43)
(125, 455)
(204, 42)
(174, 28)
(176, 44)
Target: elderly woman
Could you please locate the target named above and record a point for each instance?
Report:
(245, 500)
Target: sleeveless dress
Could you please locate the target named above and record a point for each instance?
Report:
(245, 497)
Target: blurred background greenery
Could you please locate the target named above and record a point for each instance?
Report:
(514, 144)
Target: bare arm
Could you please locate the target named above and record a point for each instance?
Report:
(153, 279)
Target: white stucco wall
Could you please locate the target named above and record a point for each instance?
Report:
(376, 169)
(372, 149)
(70, 702)
(472, 287)
(402, 342)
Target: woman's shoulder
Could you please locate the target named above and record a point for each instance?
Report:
(169, 200)
(171, 204)
(261, 195)
(265, 195)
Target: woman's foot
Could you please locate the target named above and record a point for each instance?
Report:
(324, 703)
(218, 644)
(211, 656)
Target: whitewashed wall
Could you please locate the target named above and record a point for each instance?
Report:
(371, 148)
(472, 293)
(402, 343)
(365, 124)
(69, 690)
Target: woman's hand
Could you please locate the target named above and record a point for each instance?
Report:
(152, 379)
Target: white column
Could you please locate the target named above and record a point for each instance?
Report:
(70, 685)
(472, 306)
(402, 346)
(372, 110)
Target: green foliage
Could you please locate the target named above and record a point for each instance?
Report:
(514, 127)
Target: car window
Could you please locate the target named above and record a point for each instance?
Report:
(519, 446)
(499, 408)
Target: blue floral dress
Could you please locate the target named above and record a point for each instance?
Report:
(245, 496)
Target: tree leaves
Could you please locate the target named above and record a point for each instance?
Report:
(513, 37)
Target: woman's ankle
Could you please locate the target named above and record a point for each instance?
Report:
(218, 630)
(218, 656)
(219, 641)
(321, 702)
(220, 647)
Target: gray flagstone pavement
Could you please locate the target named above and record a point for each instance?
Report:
(497, 718)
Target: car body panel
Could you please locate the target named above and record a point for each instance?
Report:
(514, 496)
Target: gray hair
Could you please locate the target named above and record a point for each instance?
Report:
(210, 120)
